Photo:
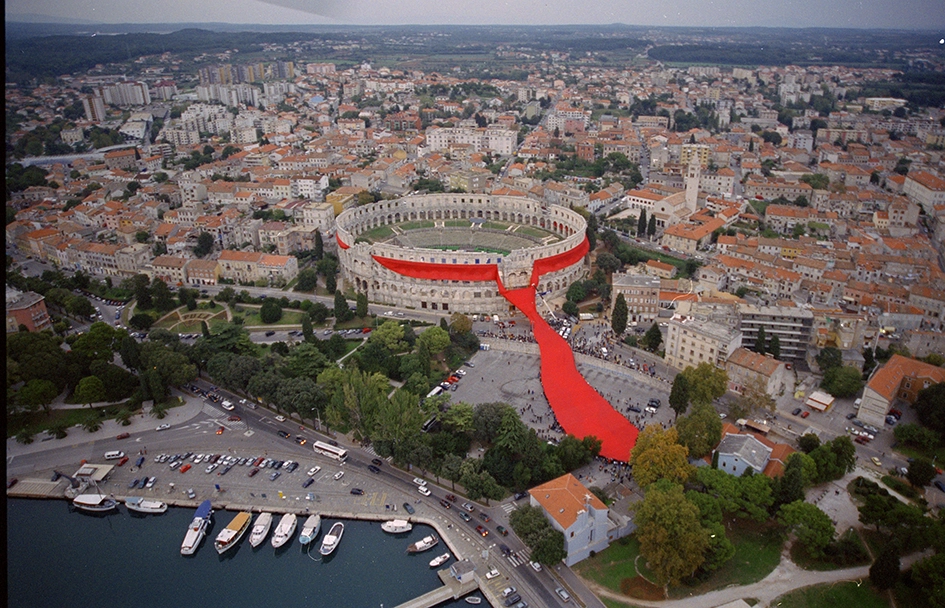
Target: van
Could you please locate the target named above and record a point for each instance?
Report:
(228, 406)
(114, 455)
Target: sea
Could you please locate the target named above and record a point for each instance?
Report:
(58, 556)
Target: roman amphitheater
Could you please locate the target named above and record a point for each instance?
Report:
(447, 251)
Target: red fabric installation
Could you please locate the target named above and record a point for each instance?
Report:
(580, 409)
(340, 242)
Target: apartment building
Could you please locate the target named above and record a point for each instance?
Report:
(925, 189)
(694, 340)
(248, 267)
(202, 272)
(170, 269)
(491, 139)
(27, 309)
(642, 294)
(793, 326)
(747, 368)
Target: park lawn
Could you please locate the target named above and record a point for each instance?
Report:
(457, 223)
(861, 595)
(757, 553)
(613, 565)
(360, 322)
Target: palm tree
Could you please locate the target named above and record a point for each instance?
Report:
(92, 423)
(24, 436)
(123, 417)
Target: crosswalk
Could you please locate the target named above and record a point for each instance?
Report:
(519, 557)
(509, 507)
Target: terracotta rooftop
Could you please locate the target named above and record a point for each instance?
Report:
(564, 498)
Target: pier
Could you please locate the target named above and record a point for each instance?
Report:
(452, 589)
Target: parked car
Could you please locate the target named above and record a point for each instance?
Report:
(252, 472)
(409, 508)
(796, 411)
(275, 475)
(564, 595)
(939, 485)
(338, 475)
(357, 491)
(123, 436)
(805, 414)
(163, 427)
(308, 482)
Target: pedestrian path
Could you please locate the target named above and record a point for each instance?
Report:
(509, 507)
(519, 557)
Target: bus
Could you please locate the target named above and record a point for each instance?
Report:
(339, 454)
(437, 390)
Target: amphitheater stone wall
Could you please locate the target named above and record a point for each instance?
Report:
(360, 269)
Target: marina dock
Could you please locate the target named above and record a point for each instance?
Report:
(452, 589)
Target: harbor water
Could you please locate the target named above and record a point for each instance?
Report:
(58, 556)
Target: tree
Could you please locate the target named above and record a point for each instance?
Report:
(679, 395)
(308, 333)
(811, 526)
(760, 341)
(884, 573)
(706, 382)
(319, 250)
(808, 442)
(576, 292)
(90, 390)
(755, 397)
(791, 484)
(671, 537)
(591, 231)
(342, 312)
(651, 226)
(460, 324)
(653, 338)
(204, 244)
(608, 262)
(774, 347)
(829, 358)
(570, 308)
(362, 305)
(930, 407)
(929, 575)
(37, 393)
(641, 223)
(270, 312)
(619, 319)
(842, 382)
(658, 455)
(390, 334)
(700, 431)
(916, 436)
(921, 472)
(435, 339)
(307, 280)
(141, 321)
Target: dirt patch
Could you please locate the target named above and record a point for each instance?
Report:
(641, 589)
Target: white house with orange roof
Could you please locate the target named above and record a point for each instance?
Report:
(575, 512)
(900, 379)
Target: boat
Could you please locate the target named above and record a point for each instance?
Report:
(424, 544)
(284, 530)
(260, 529)
(396, 526)
(198, 528)
(473, 599)
(439, 561)
(233, 532)
(145, 505)
(94, 503)
(310, 529)
(332, 539)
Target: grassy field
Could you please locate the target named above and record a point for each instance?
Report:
(376, 234)
(835, 595)
(251, 316)
(496, 225)
(613, 565)
(457, 223)
(538, 233)
(417, 225)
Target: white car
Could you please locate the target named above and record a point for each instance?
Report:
(163, 427)
(420, 482)
(424, 490)
(210, 468)
(151, 482)
(339, 475)
(535, 566)
(314, 471)
(280, 418)
(491, 574)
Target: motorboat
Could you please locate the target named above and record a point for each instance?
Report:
(310, 529)
(396, 526)
(94, 503)
(284, 530)
(473, 599)
(198, 528)
(260, 529)
(233, 532)
(440, 560)
(332, 539)
(145, 505)
(424, 544)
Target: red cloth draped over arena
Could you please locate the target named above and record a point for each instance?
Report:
(579, 408)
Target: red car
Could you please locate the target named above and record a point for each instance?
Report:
(805, 414)
(482, 530)
(451, 497)
(185, 468)
(123, 436)
(123, 460)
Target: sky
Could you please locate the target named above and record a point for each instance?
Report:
(895, 14)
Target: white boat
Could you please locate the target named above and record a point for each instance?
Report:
(233, 532)
(473, 599)
(284, 530)
(310, 529)
(396, 526)
(145, 505)
(332, 539)
(260, 529)
(440, 560)
(424, 544)
(94, 503)
(197, 529)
